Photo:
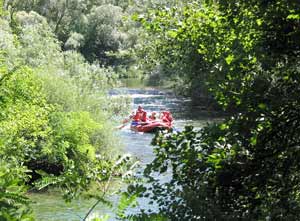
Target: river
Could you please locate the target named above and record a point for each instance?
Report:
(50, 206)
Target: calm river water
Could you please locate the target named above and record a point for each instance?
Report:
(50, 206)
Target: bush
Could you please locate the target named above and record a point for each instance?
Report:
(246, 167)
(13, 203)
(54, 111)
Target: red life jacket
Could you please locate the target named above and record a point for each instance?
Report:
(140, 115)
(167, 117)
(144, 116)
(137, 116)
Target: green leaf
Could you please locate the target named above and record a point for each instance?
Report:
(172, 33)
(259, 22)
(262, 106)
(229, 59)
(253, 140)
(126, 201)
(223, 126)
(293, 16)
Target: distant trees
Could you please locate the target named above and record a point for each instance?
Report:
(102, 35)
(95, 28)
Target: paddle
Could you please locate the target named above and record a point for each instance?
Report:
(125, 122)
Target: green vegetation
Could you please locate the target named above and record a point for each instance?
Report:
(96, 29)
(58, 59)
(55, 119)
(246, 54)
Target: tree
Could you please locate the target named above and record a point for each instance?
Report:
(102, 33)
(92, 27)
(244, 168)
(47, 139)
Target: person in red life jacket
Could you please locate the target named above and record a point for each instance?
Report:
(167, 117)
(142, 113)
(152, 116)
(139, 117)
(144, 116)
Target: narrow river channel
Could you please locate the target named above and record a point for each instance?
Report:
(50, 206)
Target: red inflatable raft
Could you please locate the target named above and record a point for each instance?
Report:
(151, 127)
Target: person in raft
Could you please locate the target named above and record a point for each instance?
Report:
(166, 117)
(140, 117)
(152, 117)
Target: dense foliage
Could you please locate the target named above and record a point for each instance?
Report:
(97, 29)
(101, 30)
(247, 54)
(56, 116)
(55, 113)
